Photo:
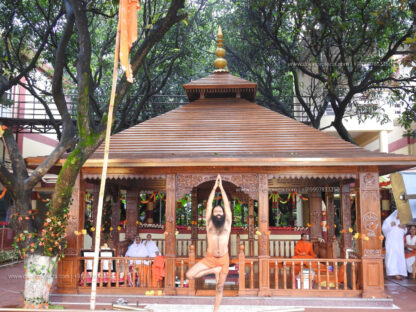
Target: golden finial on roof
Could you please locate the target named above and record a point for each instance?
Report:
(220, 62)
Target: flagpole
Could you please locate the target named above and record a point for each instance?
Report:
(104, 173)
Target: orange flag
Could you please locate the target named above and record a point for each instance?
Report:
(128, 32)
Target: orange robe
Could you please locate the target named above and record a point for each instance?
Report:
(158, 270)
(212, 262)
(304, 250)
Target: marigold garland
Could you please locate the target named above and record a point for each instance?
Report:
(275, 197)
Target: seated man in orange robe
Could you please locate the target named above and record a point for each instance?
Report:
(158, 270)
(304, 248)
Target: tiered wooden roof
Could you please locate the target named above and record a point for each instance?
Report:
(235, 132)
(221, 83)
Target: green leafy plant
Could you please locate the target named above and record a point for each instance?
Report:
(8, 255)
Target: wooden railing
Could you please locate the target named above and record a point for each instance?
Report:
(116, 272)
(160, 243)
(184, 286)
(283, 248)
(133, 272)
(287, 276)
(182, 246)
(302, 276)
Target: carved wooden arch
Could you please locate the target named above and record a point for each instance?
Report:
(247, 183)
(203, 190)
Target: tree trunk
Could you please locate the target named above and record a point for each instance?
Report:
(38, 281)
(22, 204)
(70, 170)
(342, 131)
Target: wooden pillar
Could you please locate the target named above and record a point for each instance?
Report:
(191, 261)
(95, 195)
(251, 228)
(299, 211)
(292, 205)
(346, 242)
(263, 243)
(115, 217)
(369, 224)
(170, 228)
(68, 267)
(132, 200)
(241, 271)
(306, 212)
(330, 216)
(194, 219)
(315, 215)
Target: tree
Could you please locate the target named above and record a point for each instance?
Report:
(408, 95)
(343, 48)
(250, 57)
(66, 39)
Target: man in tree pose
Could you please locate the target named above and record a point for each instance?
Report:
(218, 227)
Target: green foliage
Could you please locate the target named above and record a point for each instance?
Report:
(21, 22)
(408, 118)
(8, 256)
(337, 52)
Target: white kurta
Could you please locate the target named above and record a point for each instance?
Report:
(395, 260)
(151, 248)
(139, 251)
(409, 261)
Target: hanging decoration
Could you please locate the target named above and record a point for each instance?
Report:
(3, 193)
(275, 197)
(42, 199)
(238, 201)
(153, 197)
(384, 183)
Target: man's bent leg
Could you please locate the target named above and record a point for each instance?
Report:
(220, 290)
(200, 269)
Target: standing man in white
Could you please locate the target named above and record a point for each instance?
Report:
(394, 234)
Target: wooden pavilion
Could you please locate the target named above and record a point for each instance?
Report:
(222, 130)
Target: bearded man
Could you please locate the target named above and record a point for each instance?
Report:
(218, 228)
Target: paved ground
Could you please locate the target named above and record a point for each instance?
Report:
(402, 292)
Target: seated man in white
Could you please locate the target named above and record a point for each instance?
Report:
(139, 250)
(151, 246)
